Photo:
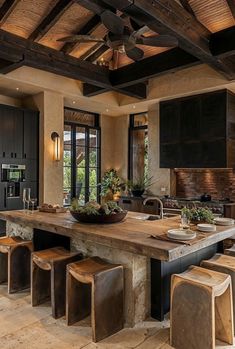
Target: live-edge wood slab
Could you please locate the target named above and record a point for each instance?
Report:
(132, 235)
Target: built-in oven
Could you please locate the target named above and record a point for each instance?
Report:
(13, 175)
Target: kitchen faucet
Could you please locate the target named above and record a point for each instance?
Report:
(151, 198)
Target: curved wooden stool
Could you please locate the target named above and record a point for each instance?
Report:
(201, 309)
(223, 264)
(48, 277)
(15, 256)
(96, 287)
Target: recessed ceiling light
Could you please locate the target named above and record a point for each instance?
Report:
(74, 102)
(134, 106)
(17, 88)
(107, 110)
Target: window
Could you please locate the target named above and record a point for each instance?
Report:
(81, 156)
(138, 146)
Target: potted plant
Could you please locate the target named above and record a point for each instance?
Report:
(138, 186)
(111, 185)
(198, 215)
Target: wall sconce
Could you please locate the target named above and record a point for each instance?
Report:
(56, 139)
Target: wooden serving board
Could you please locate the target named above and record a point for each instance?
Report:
(53, 210)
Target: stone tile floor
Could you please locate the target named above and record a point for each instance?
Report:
(24, 327)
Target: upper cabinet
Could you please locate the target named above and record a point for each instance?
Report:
(18, 133)
(30, 144)
(198, 131)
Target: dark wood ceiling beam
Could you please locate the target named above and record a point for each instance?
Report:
(187, 7)
(96, 6)
(20, 52)
(231, 4)
(167, 62)
(222, 43)
(9, 67)
(50, 20)
(138, 91)
(168, 17)
(88, 28)
(16, 49)
(6, 9)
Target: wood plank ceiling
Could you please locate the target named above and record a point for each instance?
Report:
(195, 24)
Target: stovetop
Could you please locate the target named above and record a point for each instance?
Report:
(197, 199)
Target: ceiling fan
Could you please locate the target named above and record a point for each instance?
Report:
(123, 39)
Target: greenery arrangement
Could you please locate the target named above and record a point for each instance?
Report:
(199, 214)
(111, 183)
(139, 184)
(94, 208)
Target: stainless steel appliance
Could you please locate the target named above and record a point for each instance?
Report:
(13, 175)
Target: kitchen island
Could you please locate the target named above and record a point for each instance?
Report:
(148, 261)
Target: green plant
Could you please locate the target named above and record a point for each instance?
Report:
(139, 184)
(199, 214)
(94, 208)
(111, 183)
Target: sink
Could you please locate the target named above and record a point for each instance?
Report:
(155, 217)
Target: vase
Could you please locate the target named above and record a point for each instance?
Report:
(137, 192)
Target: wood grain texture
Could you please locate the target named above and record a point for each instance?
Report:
(201, 302)
(132, 235)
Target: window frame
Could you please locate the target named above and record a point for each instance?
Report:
(133, 128)
(74, 125)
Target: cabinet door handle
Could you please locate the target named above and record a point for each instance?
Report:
(25, 155)
(11, 155)
(4, 154)
(15, 155)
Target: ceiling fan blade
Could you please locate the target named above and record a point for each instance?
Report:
(158, 41)
(81, 38)
(112, 22)
(135, 53)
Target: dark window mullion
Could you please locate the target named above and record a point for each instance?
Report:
(87, 143)
(74, 165)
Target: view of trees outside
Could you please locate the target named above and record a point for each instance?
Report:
(81, 166)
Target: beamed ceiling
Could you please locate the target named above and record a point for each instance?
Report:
(188, 32)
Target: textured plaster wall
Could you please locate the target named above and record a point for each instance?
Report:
(114, 144)
(51, 107)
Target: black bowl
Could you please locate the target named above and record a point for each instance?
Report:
(99, 219)
(137, 192)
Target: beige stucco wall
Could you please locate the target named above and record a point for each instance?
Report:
(16, 102)
(51, 107)
(114, 144)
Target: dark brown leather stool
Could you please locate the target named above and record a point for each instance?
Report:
(15, 254)
(96, 287)
(48, 277)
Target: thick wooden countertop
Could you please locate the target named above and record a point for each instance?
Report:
(131, 235)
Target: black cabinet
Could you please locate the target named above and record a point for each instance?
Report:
(30, 144)
(204, 131)
(11, 132)
(19, 137)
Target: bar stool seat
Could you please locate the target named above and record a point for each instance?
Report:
(201, 309)
(224, 264)
(95, 286)
(15, 256)
(48, 277)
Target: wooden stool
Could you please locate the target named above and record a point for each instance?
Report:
(96, 287)
(223, 264)
(201, 309)
(15, 256)
(48, 277)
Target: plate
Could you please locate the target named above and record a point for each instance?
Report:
(206, 227)
(180, 234)
(224, 221)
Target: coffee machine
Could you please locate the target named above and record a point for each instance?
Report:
(13, 175)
